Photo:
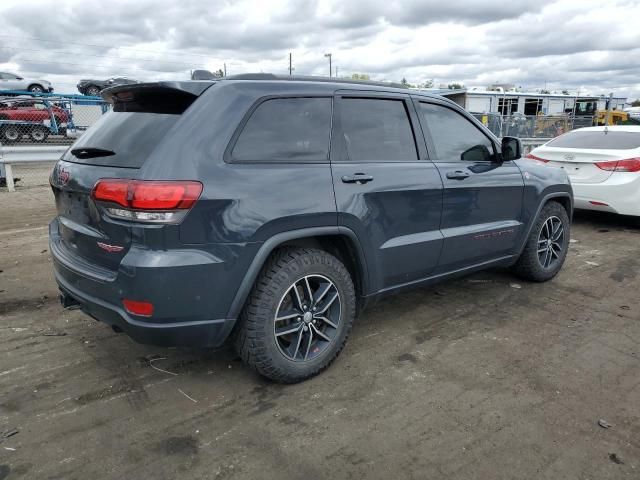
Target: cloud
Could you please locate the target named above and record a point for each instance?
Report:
(558, 43)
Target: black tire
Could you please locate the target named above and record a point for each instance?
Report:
(256, 340)
(39, 134)
(93, 90)
(10, 134)
(531, 264)
(36, 88)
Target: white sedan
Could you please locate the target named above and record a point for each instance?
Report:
(603, 164)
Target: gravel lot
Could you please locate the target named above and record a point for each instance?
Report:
(485, 377)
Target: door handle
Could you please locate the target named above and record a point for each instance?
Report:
(457, 175)
(359, 178)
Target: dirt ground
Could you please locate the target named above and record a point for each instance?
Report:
(485, 377)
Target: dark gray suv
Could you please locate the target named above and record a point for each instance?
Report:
(271, 211)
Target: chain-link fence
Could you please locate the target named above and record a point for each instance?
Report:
(531, 126)
(46, 119)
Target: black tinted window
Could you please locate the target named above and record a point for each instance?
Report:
(598, 140)
(131, 136)
(289, 129)
(455, 137)
(377, 129)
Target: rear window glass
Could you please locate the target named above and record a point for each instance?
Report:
(598, 140)
(286, 129)
(131, 136)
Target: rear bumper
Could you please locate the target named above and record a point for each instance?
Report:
(191, 291)
(620, 193)
(200, 334)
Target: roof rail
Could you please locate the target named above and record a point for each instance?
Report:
(310, 78)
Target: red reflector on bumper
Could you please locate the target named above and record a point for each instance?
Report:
(143, 309)
(601, 204)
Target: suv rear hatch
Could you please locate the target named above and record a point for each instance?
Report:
(89, 240)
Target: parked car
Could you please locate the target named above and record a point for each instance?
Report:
(603, 164)
(32, 117)
(272, 211)
(11, 81)
(94, 87)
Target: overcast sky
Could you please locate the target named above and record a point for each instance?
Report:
(589, 45)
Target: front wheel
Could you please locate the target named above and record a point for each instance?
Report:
(10, 134)
(547, 245)
(298, 316)
(36, 88)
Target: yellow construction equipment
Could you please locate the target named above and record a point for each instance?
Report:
(615, 117)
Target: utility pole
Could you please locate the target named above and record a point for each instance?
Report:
(329, 55)
(225, 69)
(336, 71)
(290, 64)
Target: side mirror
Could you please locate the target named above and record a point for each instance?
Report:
(511, 149)
(19, 78)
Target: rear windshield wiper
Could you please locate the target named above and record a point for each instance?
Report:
(91, 152)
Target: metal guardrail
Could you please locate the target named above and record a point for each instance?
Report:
(10, 156)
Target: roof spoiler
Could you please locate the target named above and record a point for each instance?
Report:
(155, 97)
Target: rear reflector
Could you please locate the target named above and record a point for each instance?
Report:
(533, 157)
(599, 204)
(628, 165)
(147, 200)
(142, 309)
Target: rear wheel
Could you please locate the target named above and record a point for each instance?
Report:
(298, 316)
(10, 134)
(547, 245)
(39, 134)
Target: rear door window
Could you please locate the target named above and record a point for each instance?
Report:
(376, 129)
(598, 140)
(286, 129)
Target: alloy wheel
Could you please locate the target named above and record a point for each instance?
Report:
(550, 242)
(38, 135)
(11, 134)
(307, 318)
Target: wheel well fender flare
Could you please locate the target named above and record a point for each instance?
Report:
(274, 242)
(543, 202)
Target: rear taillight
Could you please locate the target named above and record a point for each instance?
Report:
(533, 157)
(627, 165)
(147, 200)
